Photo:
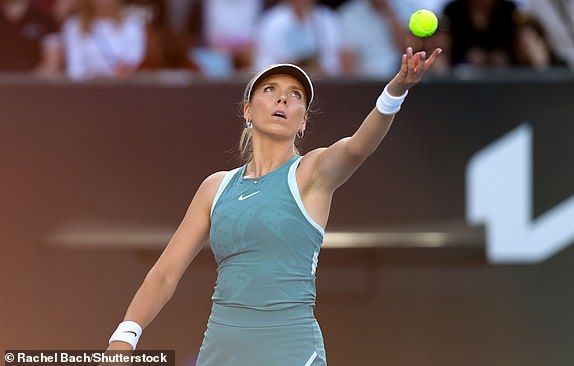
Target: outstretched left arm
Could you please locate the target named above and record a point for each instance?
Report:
(335, 164)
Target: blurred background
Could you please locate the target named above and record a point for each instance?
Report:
(113, 112)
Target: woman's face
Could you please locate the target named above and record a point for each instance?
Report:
(278, 105)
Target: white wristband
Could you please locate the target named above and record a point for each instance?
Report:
(129, 332)
(387, 104)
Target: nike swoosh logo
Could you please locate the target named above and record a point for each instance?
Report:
(129, 331)
(242, 197)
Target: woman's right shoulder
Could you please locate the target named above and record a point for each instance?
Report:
(210, 185)
(208, 189)
(215, 179)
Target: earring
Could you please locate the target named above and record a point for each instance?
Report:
(248, 124)
(300, 134)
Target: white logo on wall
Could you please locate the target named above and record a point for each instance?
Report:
(499, 196)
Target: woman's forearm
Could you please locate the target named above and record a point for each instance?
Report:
(150, 298)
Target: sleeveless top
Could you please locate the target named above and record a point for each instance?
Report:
(265, 243)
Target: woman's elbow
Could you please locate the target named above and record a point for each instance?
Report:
(162, 278)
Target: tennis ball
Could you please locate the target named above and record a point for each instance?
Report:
(423, 23)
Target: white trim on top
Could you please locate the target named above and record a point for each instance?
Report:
(222, 186)
(311, 359)
(292, 179)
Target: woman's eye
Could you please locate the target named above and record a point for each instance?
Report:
(268, 89)
(296, 94)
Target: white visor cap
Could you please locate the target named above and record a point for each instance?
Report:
(289, 69)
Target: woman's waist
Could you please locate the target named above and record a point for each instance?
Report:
(245, 316)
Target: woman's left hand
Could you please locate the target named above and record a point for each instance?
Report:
(413, 67)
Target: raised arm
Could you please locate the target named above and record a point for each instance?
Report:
(333, 165)
(161, 281)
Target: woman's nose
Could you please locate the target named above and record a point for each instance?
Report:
(282, 99)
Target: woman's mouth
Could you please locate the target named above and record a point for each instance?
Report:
(280, 114)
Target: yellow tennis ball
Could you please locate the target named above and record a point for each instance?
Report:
(423, 23)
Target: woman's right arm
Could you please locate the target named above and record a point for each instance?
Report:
(161, 281)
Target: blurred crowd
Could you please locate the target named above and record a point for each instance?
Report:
(87, 39)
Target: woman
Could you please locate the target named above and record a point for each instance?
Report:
(265, 222)
(102, 41)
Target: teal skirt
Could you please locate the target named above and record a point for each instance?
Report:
(248, 337)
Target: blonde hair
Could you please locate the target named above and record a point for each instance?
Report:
(87, 14)
(245, 147)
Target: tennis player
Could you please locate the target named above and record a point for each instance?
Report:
(265, 222)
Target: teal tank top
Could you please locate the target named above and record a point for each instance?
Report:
(265, 243)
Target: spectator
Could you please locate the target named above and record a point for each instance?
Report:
(59, 9)
(165, 48)
(301, 32)
(178, 13)
(373, 37)
(103, 41)
(29, 39)
(222, 45)
(436, 6)
(557, 18)
(334, 4)
(154, 12)
(404, 8)
(481, 32)
(532, 47)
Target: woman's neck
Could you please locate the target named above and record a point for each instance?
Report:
(268, 158)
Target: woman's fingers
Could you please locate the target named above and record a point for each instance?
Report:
(433, 58)
(420, 63)
(404, 66)
(416, 64)
(410, 59)
(413, 67)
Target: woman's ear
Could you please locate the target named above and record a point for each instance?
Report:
(304, 124)
(247, 112)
